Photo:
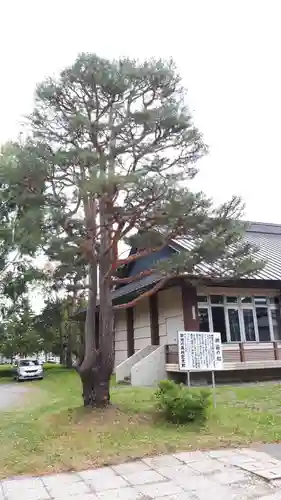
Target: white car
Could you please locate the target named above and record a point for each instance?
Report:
(28, 369)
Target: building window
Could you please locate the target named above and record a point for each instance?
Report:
(276, 324)
(217, 299)
(234, 324)
(249, 325)
(204, 320)
(219, 325)
(263, 324)
(241, 318)
(232, 300)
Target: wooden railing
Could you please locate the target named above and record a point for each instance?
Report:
(240, 352)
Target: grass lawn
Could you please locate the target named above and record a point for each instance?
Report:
(52, 432)
(6, 374)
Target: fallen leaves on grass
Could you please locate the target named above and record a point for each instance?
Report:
(54, 433)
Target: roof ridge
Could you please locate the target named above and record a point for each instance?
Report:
(264, 228)
(269, 224)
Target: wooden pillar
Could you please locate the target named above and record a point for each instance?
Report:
(130, 331)
(154, 319)
(97, 328)
(189, 307)
(242, 352)
(276, 350)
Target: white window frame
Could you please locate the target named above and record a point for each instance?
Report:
(240, 306)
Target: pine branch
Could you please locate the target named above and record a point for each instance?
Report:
(131, 279)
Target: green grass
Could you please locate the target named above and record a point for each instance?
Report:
(51, 432)
(6, 373)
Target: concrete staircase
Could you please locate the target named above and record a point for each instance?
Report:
(145, 368)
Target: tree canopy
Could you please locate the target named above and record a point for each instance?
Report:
(110, 157)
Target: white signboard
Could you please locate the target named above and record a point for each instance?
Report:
(200, 351)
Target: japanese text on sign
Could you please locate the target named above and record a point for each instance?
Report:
(200, 351)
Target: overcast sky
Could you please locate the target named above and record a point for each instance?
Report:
(228, 53)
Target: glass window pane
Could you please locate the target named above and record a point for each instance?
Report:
(260, 301)
(276, 322)
(249, 325)
(246, 300)
(217, 299)
(219, 321)
(274, 300)
(263, 324)
(202, 298)
(234, 325)
(232, 300)
(203, 320)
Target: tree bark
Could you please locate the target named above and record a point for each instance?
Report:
(61, 347)
(61, 357)
(68, 360)
(97, 366)
(106, 331)
(88, 388)
(107, 255)
(95, 389)
(93, 373)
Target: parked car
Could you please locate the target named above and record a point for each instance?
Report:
(28, 369)
(53, 360)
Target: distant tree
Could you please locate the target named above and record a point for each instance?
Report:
(48, 325)
(18, 335)
(18, 272)
(59, 333)
(110, 155)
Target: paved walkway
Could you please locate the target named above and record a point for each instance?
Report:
(11, 394)
(243, 474)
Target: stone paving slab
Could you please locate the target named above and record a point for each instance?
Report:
(272, 449)
(131, 467)
(127, 493)
(230, 474)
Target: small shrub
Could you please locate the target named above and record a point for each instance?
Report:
(180, 404)
(167, 386)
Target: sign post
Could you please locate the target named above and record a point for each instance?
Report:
(188, 378)
(214, 389)
(200, 351)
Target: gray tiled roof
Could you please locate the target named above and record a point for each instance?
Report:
(268, 240)
(267, 237)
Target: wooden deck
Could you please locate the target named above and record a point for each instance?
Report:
(238, 356)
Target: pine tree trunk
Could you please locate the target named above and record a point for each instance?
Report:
(95, 389)
(61, 357)
(88, 389)
(97, 366)
(106, 332)
(68, 347)
(95, 377)
(69, 353)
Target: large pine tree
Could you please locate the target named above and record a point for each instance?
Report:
(110, 155)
